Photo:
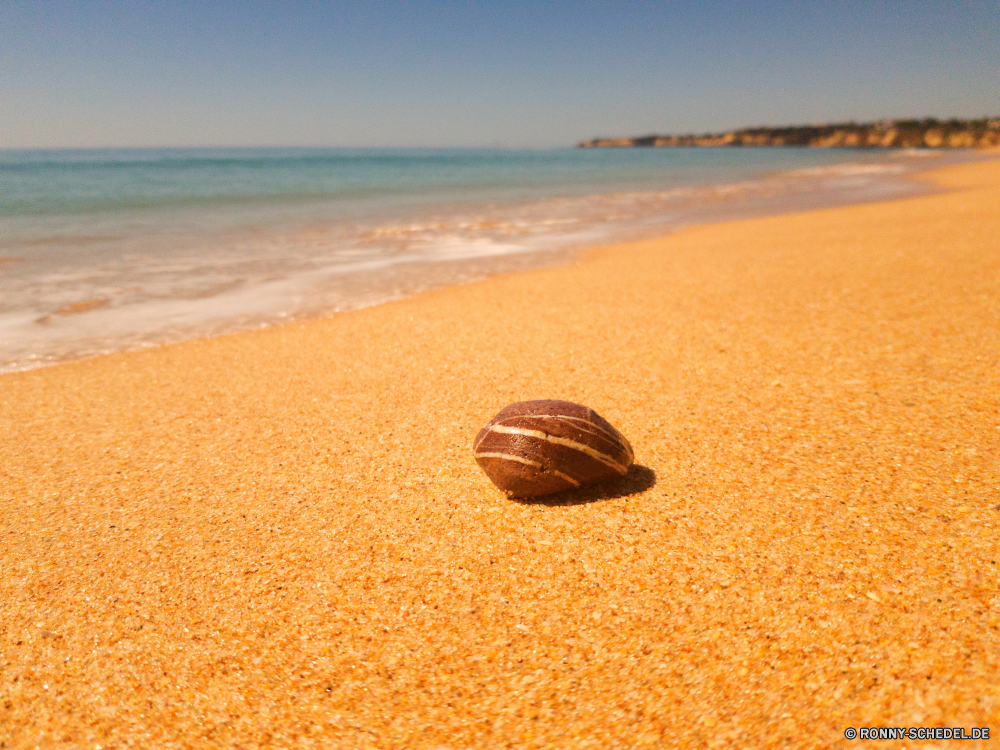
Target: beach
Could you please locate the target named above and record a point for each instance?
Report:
(280, 538)
(105, 250)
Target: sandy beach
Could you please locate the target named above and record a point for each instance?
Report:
(281, 538)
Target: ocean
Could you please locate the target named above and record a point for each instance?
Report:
(112, 249)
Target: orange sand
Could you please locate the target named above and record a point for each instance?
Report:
(280, 538)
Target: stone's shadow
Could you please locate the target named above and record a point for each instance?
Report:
(638, 479)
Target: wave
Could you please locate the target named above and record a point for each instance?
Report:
(201, 264)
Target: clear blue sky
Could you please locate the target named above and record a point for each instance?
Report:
(534, 74)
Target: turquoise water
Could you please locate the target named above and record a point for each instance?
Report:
(69, 183)
(109, 249)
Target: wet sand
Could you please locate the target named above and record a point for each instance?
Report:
(280, 538)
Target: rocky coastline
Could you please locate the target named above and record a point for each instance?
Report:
(926, 133)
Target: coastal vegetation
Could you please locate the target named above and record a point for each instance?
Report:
(926, 133)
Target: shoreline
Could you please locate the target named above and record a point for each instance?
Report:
(98, 323)
(280, 537)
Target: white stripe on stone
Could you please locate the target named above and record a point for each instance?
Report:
(509, 457)
(602, 457)
(585, 421)
(567, 477)
(596, 430)
(529, 462)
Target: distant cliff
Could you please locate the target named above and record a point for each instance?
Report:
(928, 133)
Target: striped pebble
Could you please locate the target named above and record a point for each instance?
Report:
(533, 448)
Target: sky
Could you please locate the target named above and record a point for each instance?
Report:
(509, 74)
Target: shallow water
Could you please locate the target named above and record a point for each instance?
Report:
(106, 250)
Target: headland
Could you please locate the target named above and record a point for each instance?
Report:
(927, 133)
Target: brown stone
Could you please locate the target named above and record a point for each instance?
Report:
(534, 448)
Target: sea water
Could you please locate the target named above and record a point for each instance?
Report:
(103, 250)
